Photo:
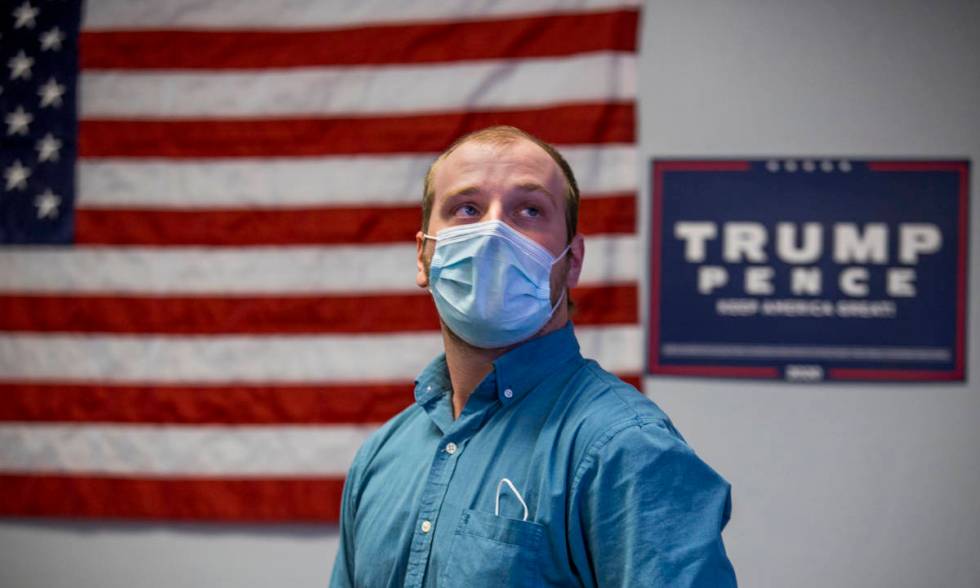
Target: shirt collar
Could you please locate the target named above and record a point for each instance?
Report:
(514, 374)
(433, 381)
(522, 368)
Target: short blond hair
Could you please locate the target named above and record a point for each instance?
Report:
(504, 135)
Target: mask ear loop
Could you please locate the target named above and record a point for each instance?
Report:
(562, 254)
(500, 484)
(558, 302)
(564, 290)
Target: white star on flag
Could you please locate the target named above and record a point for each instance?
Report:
(18, 121)
(20, 66)
(51, 93)
(47, 148)
(47, 204)
(16, 176)
(24, 15)
(52, 39)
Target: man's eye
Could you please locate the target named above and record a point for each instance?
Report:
(467, 210)
(532, 211)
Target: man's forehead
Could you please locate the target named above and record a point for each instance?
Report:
(519, 156)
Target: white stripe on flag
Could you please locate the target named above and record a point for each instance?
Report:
(261, 359)
(485, 85)
(181, 451)
(360, 180)
(268, 14)
(256, 270)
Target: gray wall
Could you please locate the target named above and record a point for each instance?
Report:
(835, 485)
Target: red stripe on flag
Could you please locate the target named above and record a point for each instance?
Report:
(280, 404)
(635, 380)
(295, 226)
(611, 214)
(297, 137)
(539, 36)
(334, 313)
(262, 499)
(300, 226)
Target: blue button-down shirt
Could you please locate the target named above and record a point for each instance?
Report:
(613, 494)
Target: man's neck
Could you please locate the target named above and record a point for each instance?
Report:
(468, 365)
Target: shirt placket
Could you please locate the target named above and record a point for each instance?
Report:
(437, 483)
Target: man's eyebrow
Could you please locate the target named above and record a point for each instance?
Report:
(473, 190)
(533, 187)
(465, 191)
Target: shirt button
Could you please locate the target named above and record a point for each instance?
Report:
(508, 393)
(451, 448)
(426, 526)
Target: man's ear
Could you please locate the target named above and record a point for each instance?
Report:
(422, 276)
(576, 254)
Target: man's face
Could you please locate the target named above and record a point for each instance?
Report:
(517, 183)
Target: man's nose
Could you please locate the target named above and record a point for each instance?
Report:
(494, 212)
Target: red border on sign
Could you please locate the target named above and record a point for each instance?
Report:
(653, 348)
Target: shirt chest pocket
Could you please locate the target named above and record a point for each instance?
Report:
(488, 550)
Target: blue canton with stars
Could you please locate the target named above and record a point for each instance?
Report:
(38, 81)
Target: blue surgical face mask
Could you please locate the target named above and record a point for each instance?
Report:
(491, 284)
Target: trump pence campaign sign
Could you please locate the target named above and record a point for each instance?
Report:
(809, 269)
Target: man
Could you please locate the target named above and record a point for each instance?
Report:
(521, 463)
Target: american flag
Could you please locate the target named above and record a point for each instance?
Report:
(207, 294)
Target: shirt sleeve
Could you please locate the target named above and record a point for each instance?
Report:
(646, 511)
(343, 567)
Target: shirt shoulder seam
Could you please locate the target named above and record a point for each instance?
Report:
(634, 421)
(369, 449)
(615, 389)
